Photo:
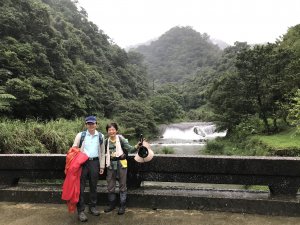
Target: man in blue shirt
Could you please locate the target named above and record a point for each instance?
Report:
(94, 166)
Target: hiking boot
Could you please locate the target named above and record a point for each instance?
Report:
(82, 217)
(121, 210)
(110, 208)
(94, 211)
(112, 202)
(123, 196)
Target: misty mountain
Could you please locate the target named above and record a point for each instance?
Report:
(178, 54)
(222, 44)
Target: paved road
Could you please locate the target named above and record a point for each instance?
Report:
(56, 214)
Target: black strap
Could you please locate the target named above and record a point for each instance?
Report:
(83, 134)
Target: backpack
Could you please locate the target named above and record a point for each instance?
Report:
(83, 134)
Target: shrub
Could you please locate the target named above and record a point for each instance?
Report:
(167, 150)
(214, 147)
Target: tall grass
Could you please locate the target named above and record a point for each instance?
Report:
(166, 150)
(33, 136)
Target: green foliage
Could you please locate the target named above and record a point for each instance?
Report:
(178, 54)
(195, 89)
(5, 100)
(137, 117)
(263, 76)
(247, 127)
(214, 147)
(290, 40)
(294, 111)
(203, 113)
(165, 108)
(259, 86)
(167, 150)
(33, 136)
(55, 63)
(229, 104)
(230, 146)
(284, 143)
(58, 64)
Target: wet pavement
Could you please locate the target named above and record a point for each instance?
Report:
(57, 214)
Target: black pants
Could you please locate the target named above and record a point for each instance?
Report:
(90, 171)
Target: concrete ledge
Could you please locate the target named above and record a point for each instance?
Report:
(280, 174)
(239, 201)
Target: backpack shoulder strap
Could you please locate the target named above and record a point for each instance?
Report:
(105, 144)
(83, 133)
(121, 141)
(100, 138)
(122, 144)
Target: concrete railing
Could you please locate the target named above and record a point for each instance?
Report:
(280, 174)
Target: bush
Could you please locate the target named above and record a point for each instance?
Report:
(165, 150)
(214, 147)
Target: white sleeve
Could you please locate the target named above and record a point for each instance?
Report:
(102, 153)
(77, 140)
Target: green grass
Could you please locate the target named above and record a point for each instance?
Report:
(288, 139)
(285, 143)
(165, 150)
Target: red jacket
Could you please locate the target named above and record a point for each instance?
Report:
(71, 186)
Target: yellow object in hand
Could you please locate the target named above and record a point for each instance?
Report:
(123, 163)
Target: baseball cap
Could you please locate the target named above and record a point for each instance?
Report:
(90, 119)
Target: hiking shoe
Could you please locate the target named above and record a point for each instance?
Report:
(94, 211)
(121, 210)
(110, 208)
(82, 217)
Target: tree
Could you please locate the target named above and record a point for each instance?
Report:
(165, 108)
(263, 77)
(137, 117)
(229, 102)
(59, 64)
(258, 86)
(5, 100)
(294, 110)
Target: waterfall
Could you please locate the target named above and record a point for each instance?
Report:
(187, 137)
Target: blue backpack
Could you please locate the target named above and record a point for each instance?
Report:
(83, 134)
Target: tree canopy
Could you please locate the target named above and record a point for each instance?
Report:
(59, 64)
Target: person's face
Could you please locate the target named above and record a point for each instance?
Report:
(112, 132)
(91, 127)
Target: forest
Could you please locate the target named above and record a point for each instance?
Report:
(56, 65)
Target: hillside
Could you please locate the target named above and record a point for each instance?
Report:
(178, 54)
(59, 64)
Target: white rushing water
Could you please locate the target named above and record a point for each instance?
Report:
(186, 138)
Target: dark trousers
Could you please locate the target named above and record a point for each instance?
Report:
(90, 172)
(113, 175)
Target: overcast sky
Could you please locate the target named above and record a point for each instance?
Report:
(131, 22)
